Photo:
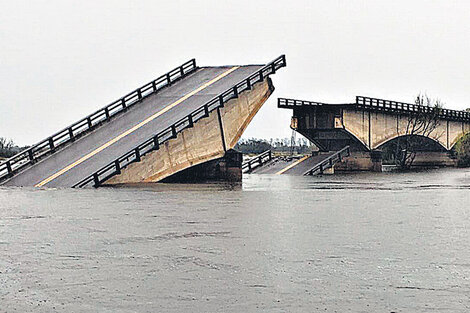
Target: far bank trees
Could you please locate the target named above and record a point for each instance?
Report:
(8, 148)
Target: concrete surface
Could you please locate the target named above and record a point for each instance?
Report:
(201, 143)
(151, 105)
(385, 127)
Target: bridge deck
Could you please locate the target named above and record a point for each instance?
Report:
(111, 140)
(300, 168)
(296, 167)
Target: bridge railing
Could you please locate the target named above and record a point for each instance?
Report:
(329, 162)
(394, 106)
(291, 103)
(257, 161)
(49, 145)
(152, 144)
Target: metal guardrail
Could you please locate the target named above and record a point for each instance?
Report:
(394, 106)
(28, 157)
(291, 103)
(375, 104)
(329, 162)
(257, 161)
(152, 144)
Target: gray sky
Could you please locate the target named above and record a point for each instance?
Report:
(60, 60)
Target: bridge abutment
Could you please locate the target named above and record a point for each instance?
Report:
(434, 159)
(361, 161)
(227, 168)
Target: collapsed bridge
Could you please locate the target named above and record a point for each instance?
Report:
(189, 116)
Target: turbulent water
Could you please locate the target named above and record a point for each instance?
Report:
(384, 242)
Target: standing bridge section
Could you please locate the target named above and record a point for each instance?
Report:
(186, 117)
(369, 124)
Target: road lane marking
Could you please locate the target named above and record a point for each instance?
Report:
(292, 165)
(131, 130)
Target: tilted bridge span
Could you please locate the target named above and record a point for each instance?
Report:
(189, 116)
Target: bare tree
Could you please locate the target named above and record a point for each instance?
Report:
(420, 123)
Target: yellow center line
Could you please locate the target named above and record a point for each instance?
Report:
(129, 131)
(292, 165)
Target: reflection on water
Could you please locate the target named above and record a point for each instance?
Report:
(352, 242)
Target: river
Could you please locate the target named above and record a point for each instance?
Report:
(367, 242)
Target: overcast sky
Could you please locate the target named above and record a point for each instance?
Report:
(60, 60)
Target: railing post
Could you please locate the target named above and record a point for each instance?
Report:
(10, 171)
(156, 144)
(173, 131)
(30, 155)
(168, 78)
(96, 180)
(235, 91)
(206, 111)
(106, 113)
(123, 103)
(249, 166)
(117, 165)
(190, 121)
(221, 101)
(51, 143)
(154, 86)
(248, 84)
(71, 133)
(137, 154)
(261, 77)
(321, 168)
(181, 71)
(273, 68)
(139, 94)
(88, 119)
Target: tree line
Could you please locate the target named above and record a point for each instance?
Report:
(284, 145)
(8, 148)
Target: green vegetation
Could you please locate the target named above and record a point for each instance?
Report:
(8, 148)
(462, 151)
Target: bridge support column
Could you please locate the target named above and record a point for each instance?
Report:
(361, 161)
(226, 168)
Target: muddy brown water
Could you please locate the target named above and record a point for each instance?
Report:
(389, 242)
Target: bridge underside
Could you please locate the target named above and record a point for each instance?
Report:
(332, 139)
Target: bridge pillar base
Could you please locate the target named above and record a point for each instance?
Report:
(361, 161)
(434, 159)
(226, 168)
